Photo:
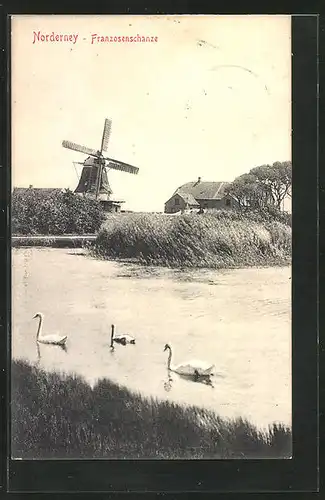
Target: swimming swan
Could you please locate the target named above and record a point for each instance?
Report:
(47, 339)
(121, 339)
(195, 368)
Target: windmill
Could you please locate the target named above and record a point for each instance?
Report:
(93, 181)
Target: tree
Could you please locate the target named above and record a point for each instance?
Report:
(248, 192)
(277, 180)
(263, 187)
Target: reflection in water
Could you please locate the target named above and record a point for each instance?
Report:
(38, 354)
(53, 346)
(27, 257)
(168, 383)
(201, 379)
(242, 324)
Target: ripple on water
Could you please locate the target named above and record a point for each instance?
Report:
(238, 319)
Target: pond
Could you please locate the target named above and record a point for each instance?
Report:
(238, 319)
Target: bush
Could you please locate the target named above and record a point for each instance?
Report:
(270, 214)
(61, 416)
(219, 239)
(54, 213)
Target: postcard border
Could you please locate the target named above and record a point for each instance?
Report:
(298, 474)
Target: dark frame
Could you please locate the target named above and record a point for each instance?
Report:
(297, 474)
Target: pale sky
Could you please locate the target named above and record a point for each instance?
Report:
(210, 98)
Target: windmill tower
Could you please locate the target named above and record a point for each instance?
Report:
(93, 181)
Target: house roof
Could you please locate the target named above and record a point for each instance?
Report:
(203, 190)
(188, 198)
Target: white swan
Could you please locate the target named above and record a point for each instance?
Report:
(47, 339)
(121, 339)
(194, 368)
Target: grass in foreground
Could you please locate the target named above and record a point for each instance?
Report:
(221, 239)
(61, 416)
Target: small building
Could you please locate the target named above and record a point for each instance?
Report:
(200, 195)
(111, 205)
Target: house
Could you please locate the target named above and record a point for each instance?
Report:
(200, 195)
(111, 206)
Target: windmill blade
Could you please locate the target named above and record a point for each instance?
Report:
(80, 149)
(106, 134)
(124, 167)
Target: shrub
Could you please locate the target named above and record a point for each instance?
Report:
(270, 214)
(54, 213)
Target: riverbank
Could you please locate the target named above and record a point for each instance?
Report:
(61, 416)
(216, 240)
(57, 241)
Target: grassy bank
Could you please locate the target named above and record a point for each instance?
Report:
(221, 239)
(61, 416)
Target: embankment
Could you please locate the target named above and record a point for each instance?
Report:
(222, 239)
(58, 241)
(61, 416)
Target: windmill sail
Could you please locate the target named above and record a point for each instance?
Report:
(77, 147)
(106, 134)
(124, 167)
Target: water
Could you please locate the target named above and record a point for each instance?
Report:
(240, 320)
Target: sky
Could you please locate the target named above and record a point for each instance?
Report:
(210, 98)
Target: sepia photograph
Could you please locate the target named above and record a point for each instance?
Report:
(151, 237)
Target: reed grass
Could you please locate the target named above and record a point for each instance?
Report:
(60, 416)
(219, 239)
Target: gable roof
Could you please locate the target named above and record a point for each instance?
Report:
(187, 197)
(203, 190)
